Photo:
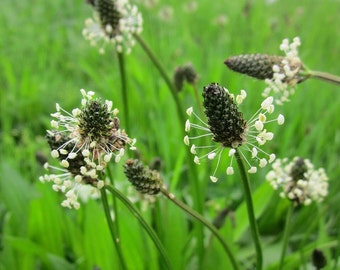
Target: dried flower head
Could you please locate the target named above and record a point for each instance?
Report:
(228, 129)
(115, 22)
(84, 141)
(144, 179)
(298, 180)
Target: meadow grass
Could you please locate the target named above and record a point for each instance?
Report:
(44, 59)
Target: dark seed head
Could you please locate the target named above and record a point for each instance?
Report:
(144, 179)
(225, 121)
(259, 66)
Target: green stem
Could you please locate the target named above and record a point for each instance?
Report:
(163, 73)
(114, 202)
(250, 209)
(286, 235)
(204, 222)
(121, 65)
(113, 229)
(324, 76)
(115, 192)
(181, 116)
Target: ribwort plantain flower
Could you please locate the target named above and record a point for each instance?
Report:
(298, 180)
(115, 22)
(281, 73)
(227, 129)
(144, 179)
(84, 141)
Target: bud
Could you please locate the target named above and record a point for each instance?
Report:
(225, 121)
(184, 73)
(144, 179)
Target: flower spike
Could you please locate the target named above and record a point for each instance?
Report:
(227, 128)
(84, 141)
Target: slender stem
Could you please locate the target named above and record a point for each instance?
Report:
(121, 61)
(324, 76)
(163, 73)
(114, 202)
(181, 116)
(113, 229)
(204, 222)
(286, 235)
(250, 209)
(115, 192)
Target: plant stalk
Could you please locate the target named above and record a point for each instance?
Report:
(286, 235)
(250, 209)
(324, 77)
(204, 222)
(163, 73)
(115, 192)
(121, 61)
(113, 229)
(181, 116)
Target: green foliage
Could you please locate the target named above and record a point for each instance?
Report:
(44, 60)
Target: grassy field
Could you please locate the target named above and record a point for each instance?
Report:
(45, 60)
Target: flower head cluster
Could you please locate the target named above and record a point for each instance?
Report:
(84, 141)
(115, 22)
(227, 129)
(287, 73)
(298, 180)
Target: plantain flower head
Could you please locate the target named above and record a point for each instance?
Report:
(281, 73)
(298, 180)
(228, 131)
(114, 22)
(83, 142)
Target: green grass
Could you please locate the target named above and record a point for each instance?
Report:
(44, 60)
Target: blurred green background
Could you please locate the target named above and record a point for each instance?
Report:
(44, 59)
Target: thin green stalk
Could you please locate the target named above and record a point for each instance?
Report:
(114, 203)
(286, 235)
(163, 73)
(121, 65)
(112, 228)
(115, 192)
(181, 116)
(250, 209)
(204, 222)
(324, 76)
